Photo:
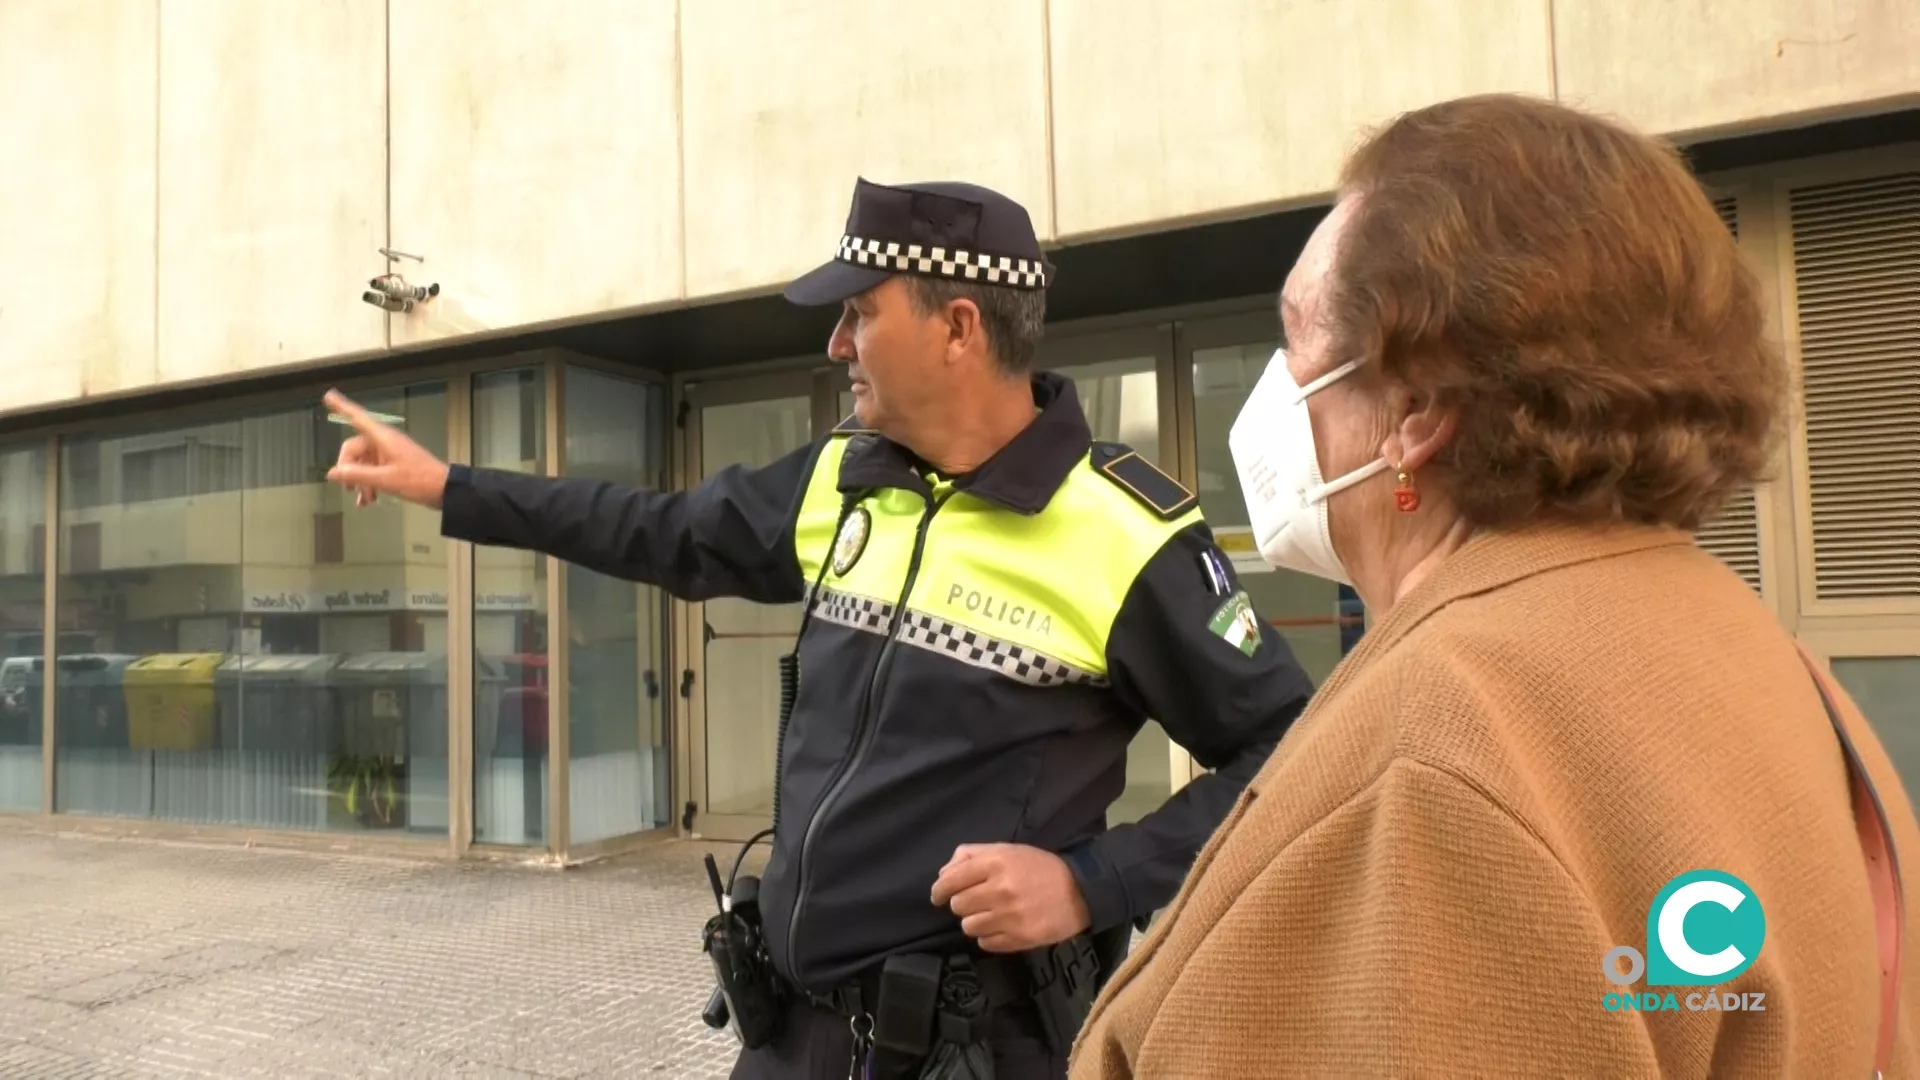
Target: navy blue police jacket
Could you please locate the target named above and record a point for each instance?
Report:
(977, 654)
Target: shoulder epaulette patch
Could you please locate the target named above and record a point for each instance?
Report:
(852, 426)
(1166, 497)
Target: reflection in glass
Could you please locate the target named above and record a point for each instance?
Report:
(1321, 620)
(744, 641)
(510, 627)
(239, 646)
(618, 763)
(1122, 401)
(1887, 689)
(23, 536)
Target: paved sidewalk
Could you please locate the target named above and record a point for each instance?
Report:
(142, 958)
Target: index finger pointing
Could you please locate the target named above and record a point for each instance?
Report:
(361, 420)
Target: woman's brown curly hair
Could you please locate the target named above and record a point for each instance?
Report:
(1563, 285)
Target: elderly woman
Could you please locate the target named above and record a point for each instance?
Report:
(1524, 360)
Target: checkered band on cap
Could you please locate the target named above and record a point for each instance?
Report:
(944, 262)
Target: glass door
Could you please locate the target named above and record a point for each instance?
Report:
(1321, 620)
(731, 687)
(1120, 377)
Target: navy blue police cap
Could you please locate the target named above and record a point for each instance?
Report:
(962, 232)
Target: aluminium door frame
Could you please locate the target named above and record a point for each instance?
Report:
(689, 665)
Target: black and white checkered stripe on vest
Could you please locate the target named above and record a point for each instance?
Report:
(969, 646)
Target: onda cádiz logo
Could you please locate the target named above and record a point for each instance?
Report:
(1704, 928)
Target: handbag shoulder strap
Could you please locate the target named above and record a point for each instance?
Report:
(1883, 867)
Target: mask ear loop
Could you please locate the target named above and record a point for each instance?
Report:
(1327, 380)
(1334, 487)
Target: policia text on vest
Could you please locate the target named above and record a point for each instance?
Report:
(978, 652)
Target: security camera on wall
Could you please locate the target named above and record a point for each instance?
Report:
(391, 292)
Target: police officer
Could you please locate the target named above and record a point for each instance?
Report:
(995, 604)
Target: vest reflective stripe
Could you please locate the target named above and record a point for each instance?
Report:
(950, 639)
(1032, 597)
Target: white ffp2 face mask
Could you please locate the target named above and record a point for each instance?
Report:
(1272, 446)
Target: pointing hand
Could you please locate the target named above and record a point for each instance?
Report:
(381, 460)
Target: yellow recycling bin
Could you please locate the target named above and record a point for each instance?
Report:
(170, 701)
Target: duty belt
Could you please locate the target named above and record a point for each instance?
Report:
(925, 1009)
(1003, 979)
(920, 1004)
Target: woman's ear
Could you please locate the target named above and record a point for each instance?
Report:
(1423, 431)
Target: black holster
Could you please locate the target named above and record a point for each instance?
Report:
(749, 991)
(961, 1050)
(930, 1018)
(1065, 979)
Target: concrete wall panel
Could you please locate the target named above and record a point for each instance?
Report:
(1679, 68)
(1209, 107)
(786, 102)
(76, 199)
(273, 182)
(197, 188)
(536, 161)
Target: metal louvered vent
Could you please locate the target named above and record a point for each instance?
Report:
(1733, 535)
(1856, 251)
(1729, 210)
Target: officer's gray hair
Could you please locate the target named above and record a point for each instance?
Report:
(1014, 318)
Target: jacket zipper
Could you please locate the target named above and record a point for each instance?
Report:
(863, 731)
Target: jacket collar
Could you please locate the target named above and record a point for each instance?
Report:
(1022, 476)
(1494, 559)
(1486, 563)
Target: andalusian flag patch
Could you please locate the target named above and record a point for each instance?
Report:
(1236, 624)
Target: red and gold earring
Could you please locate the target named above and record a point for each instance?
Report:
(1405, 497)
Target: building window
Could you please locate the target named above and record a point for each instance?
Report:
(226, 656)
(1887, 690)
(23, 515)
(179, 471)
(619, 766)
(329, 537)
(83, 546)
(741, 642)
(1121, 398)
(1117, 379)
(1321, 620)
(80, 477)
(510, 669)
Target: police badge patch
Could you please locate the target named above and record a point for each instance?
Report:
(852, 541)
(1235, 623)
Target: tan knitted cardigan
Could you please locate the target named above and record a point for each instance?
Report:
(1485, 798)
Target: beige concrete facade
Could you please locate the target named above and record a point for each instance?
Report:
(194, 193)
(200, 189)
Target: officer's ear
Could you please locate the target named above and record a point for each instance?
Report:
(966, 332)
